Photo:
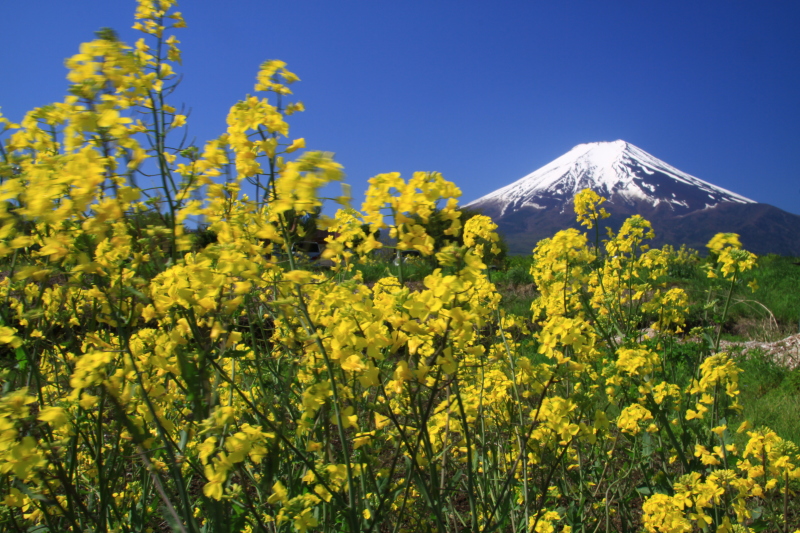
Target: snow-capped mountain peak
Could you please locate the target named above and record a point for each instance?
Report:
(682, 209)
(616, 170)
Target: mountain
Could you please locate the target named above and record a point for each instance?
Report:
(683, 209)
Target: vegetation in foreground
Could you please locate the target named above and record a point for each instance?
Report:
(151, 383)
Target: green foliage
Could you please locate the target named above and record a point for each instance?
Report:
(778, 280)
(437, 224)
(775, 304)
(203, 236)
(415, 269)
(770, 394)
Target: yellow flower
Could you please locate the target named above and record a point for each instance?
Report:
(178, 121)
(216, 478)
(349, 417)
(296, 145)
(279, 493)
(323, 493)
(630, 418)
(55, 416)
(14, 498)
(586, 203)
(7, 336)
(723, 240)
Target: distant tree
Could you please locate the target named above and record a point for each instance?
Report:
(302, 227)
(437, 224)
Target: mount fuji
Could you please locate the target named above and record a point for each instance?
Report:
(682, 208)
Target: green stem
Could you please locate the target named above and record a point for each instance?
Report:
(470, 480)
(724, 313)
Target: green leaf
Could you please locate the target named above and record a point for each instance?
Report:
(22, 359)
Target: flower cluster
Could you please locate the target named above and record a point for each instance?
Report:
(586, 207)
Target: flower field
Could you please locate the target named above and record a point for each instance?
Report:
(154, 382)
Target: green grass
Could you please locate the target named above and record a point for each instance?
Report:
(515, 283)
(517, 301)
(414, 269)
(769, 313)
(770, 394)
(515, 271)
(778, 281)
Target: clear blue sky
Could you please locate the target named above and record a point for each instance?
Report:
(482, 92)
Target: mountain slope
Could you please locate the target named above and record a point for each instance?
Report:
(682, 208)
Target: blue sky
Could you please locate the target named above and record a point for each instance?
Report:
(482, 92)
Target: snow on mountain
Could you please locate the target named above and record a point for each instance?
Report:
(682, 209)
(616, 170)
